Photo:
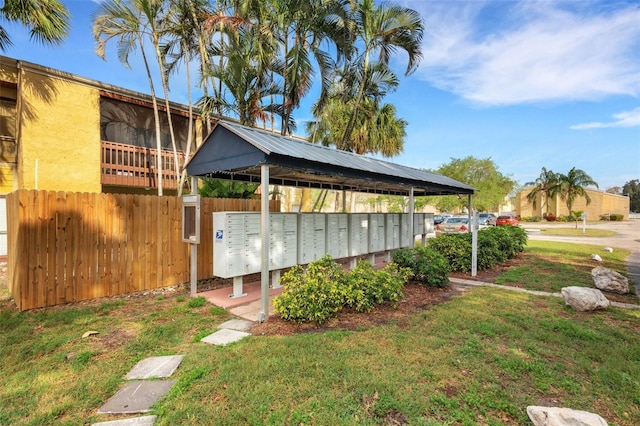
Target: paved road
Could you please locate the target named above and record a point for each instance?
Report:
(628, 237)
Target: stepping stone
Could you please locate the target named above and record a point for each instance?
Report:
(237, 324)
(137, 397)
(135, 421)
(224, 337)
(155, 367)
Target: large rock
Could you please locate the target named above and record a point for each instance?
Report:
(554, 416)
(607, 280)
(584, 299)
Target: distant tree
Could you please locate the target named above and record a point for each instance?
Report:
(547, 185)
(47, 20)
(614, 190)
(219, 188)
(572, 185)
(632, 190)
(491, 186)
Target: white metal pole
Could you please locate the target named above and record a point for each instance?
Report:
(412, 240)
(474, 244)
(264, 235)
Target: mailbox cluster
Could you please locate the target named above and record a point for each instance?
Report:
(300, 238)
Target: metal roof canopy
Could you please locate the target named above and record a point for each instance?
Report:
(236, 152)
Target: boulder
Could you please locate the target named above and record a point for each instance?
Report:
(555, 416)
(584, 299)
(607, 280)
(596, 257)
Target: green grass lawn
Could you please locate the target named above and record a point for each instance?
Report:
(551, 265)
(578, 232)
(478, 359)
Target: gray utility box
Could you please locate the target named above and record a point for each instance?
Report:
(338, 235)
(376, 232)
(283, 240)
(358, 234)
(236, 244)
(392, 231)
(418, 223)
(312, 233)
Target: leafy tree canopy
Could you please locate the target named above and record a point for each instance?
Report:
(491, 186)
(217, 188)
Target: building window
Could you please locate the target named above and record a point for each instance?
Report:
(8, 97)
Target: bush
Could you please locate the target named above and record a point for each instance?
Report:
(320, 291)
(456, 248)
(531, 219)
(614, 216)
(367, 287)
(495, 246)
(426, 264)
(550, 217)
(311, 294)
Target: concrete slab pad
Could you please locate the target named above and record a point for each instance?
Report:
(137, 397)
(224, 337)
(134, 421)
(155, 367)
(237, 324)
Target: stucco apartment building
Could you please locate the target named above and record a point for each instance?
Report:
(602, 203)
(63, 132)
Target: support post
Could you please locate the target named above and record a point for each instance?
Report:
(474, 244)
(264, 236)
(412, 237)
(194, 250)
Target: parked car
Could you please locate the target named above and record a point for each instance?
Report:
(507, 219)
(488, 219)
(455, 224)
(437, 219)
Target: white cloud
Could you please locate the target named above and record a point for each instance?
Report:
(621, 119)
(502, 53)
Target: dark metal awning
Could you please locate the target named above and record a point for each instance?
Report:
(236, 152)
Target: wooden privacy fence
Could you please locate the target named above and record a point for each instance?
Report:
(67, 247)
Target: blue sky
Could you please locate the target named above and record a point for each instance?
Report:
(529, 84)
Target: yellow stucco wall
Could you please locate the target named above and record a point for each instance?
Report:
(59, 134)
(601, 203)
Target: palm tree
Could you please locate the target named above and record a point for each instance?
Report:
(383, 30)
(572, 185)
(47, 20)
(124, 22)
(545, 185)
(183, 30)
(302, 27)
(376, 129)
(244, 80)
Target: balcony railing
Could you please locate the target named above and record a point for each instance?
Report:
(127, 165)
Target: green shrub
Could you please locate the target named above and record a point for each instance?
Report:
(321, 290)
(616, 217)
(495, 245)
(311, 294)
(366, 287)
(531, 219)
(456, 248)
(197, 302)
(426, 265)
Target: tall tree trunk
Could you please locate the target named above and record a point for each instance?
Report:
(156, 117)
(165, 88)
